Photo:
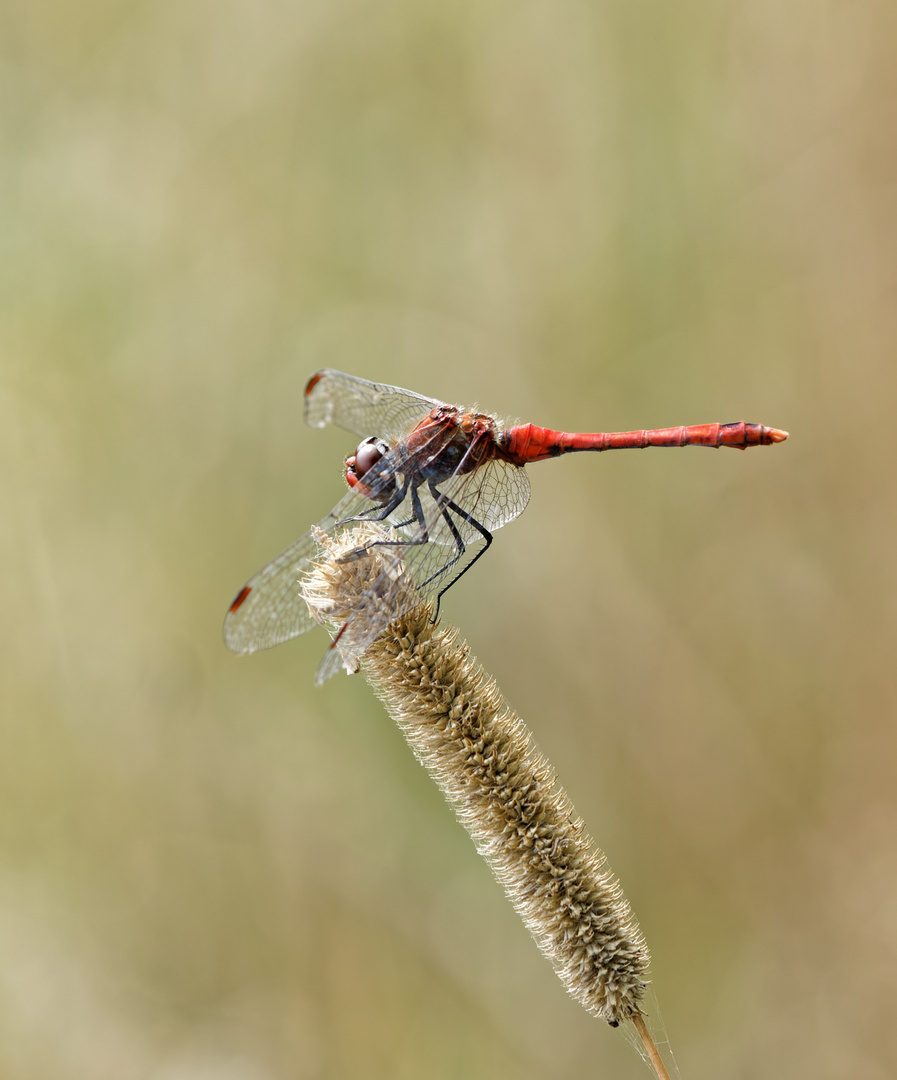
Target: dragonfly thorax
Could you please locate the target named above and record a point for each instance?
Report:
(450, 442)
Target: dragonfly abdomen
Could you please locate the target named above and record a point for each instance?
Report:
(528, 443)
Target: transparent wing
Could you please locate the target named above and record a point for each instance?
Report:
(364, 407)
(493, 495)
(269, 609)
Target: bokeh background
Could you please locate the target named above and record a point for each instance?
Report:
(591, 216)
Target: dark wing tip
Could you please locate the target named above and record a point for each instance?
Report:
(313, 382)
(238, 599)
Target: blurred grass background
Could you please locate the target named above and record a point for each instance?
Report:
(598, 216)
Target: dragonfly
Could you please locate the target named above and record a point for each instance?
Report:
(442, 478)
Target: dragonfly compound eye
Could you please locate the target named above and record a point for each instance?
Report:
(368, 454)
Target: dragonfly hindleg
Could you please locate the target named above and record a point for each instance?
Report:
(481, 529)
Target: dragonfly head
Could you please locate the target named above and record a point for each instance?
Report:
(368, 454)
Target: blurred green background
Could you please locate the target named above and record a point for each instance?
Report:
(591, 216)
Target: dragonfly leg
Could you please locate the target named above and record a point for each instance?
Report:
(404, 524)
(377, 513)
(445, 505)
(380, 513)
(418, 516)
(481, 529)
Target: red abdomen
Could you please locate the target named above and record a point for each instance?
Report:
(528, 443)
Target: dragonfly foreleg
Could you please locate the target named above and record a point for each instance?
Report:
(375, 513)
(417, 516)
(382, 512)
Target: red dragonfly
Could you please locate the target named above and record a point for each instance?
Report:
(444, 478)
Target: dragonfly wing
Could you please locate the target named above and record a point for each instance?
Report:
(332, 662)
(492, 495)
(366, 623)
(269, 609)
(364, 407)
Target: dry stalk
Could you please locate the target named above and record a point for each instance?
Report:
(500, 786)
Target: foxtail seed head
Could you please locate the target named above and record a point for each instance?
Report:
(500, 786)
